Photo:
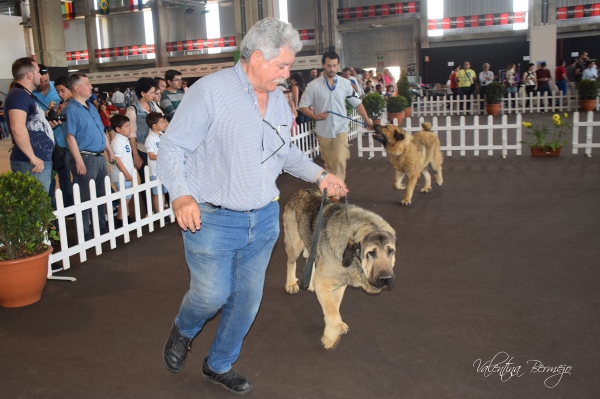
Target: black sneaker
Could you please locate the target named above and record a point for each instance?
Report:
(175, 350)
(231, 380)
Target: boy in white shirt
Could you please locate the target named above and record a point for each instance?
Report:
(124, 164)
(157, 124)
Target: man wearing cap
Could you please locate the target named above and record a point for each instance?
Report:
(47, 95)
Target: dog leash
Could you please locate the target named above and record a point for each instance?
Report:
(307, 273)
(345, 117)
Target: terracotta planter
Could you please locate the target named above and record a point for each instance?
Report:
(492, 109)
(408, 112)
(587, 105)
(22, 280)
(544, 152)
(376, 122)
(397, 115)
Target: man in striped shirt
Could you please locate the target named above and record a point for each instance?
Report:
(172, 96)
(219, 159)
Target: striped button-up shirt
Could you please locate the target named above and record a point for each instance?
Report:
(219, 148)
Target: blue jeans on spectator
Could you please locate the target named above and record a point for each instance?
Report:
(95, 170)
(544, 89)
(43, 177)
(464, 93)
(511, 92)
(227, 259)
(562, 86)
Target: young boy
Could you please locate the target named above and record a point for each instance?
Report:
(122, 150)
(157, 124)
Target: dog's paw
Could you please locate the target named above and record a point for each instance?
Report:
(426, 190)
(400, 186)
(439, 182)
(343, 328)
(330, 342)
(405, 202)
(292, 288)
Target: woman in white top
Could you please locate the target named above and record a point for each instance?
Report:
(530, 81)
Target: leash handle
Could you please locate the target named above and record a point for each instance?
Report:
(307, 272)
(345, 117)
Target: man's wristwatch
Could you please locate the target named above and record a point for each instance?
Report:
(321, 177)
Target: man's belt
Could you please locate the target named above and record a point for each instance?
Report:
(92, 153)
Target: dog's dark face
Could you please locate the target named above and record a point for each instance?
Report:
(392, 137)
(377, 255)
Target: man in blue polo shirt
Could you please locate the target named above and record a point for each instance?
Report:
(47, 94)
(31, 133)
(86, 141)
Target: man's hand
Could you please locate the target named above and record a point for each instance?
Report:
(137, 161)
(53, 124)
(334, 185)
(38, 165)
(80, 166)
(321, 116)
(187, 213)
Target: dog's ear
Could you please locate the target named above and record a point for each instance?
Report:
(399, 135)
(426, 126)
(352, 250)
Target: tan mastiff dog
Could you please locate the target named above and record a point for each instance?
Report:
(360, 252)
(410, 155)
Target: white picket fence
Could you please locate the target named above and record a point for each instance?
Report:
(82, 246)
(485, 137)
(589, 126)
(514, 104)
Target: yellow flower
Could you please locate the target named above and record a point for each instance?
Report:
(566, 115)
(556, 117)
(527, 124)
(557, 123)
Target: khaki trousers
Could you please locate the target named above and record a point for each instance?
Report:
(335, 152)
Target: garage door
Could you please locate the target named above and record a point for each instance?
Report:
(361, 48)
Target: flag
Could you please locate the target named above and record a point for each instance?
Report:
(140, 5)
(104, 7)
(67, 11)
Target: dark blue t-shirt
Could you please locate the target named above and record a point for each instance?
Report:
(40, 131)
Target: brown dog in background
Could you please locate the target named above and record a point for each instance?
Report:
(410, 155)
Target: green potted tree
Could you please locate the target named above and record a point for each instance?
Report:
(544, 141)
(395, 108)
(588, 92)
(26, 221)
(405, 91)
(374, 104)
(493, 96)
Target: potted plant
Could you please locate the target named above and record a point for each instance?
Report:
(26, 221)
(493, 96)
(543, 141)
(405, 91)
(395, 108)
(588, 92)
(374, 104)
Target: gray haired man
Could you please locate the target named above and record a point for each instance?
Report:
(220, 172)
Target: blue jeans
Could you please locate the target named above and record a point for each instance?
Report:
(562, 86)
(95, 170)
(227, 259)
(542, 90)
(43, 177)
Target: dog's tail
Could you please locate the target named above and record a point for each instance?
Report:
(426, 126)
